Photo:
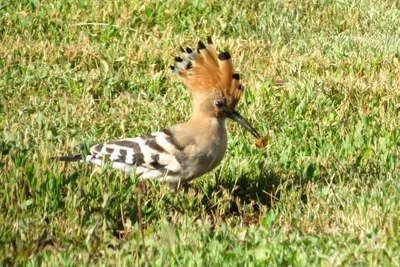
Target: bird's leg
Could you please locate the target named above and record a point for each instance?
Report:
(186, 187)
(140, 188)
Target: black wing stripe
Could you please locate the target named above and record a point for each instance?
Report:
(98, 148)
(136, 148)
(123, 159)
(139, 159)
(123, 152)
(172, 139)
(156, 165)
(152, 143)
(155, 157)
(123, 143)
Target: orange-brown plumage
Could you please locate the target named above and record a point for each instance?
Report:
(204, 70)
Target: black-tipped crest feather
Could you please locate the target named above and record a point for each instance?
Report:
(205, 70)
(178, 59)
(224, 56)
(201, 46)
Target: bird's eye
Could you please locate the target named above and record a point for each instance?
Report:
(219, 104)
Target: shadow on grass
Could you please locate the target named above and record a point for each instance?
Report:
(262, 189)
(249, 198)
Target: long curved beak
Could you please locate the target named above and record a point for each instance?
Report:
(244, 123)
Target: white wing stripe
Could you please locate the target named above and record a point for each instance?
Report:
(166, 145)
(115, 154)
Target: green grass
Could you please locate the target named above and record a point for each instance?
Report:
(325, 191)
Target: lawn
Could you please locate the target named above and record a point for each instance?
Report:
(322, 78)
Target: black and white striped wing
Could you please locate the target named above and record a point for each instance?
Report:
(155, 156)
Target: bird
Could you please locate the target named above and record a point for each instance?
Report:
(182, 152)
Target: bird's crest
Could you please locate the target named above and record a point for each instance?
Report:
(204, 70)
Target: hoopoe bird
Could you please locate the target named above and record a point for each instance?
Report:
(187, 150)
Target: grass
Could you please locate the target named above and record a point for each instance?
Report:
(324, 192)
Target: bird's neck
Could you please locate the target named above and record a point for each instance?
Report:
(211, 123)
(209, 131)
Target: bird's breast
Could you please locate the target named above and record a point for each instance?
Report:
(205, 155)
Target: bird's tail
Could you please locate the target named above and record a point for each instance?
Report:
(71, 158)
